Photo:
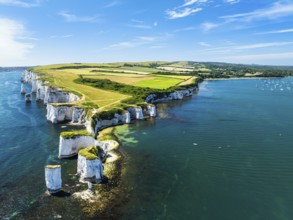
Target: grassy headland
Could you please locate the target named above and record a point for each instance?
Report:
(112, 85)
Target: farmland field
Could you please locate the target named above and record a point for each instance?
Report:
(65, 76)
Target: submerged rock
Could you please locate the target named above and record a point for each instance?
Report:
(53, 178)
(28, 97)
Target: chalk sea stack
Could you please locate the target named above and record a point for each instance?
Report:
(53, 178)
(89, 165)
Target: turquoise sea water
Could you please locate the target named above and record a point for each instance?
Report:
(225, 153)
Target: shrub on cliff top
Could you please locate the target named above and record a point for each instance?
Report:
(108, 115)
(73, 134)
(90, 153)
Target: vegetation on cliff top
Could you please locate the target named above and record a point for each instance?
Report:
(90, 153)
(73, 134)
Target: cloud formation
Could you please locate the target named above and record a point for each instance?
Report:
(174, 14)
(74, 18)
(25, 4)
(278, 31)
(231, 1)
(277, 10)
(185, 9)
(12, 45)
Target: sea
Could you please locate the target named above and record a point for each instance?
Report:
(225, 153)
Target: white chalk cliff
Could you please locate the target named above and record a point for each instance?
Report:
(151, 110)
(178, 95)
(69, 147)
(136, 112)
(22, 89)
(53, 178)
(48, 95)
(89, 170)
(116, 120)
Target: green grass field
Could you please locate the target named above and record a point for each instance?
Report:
(159, 82)
(64, 76)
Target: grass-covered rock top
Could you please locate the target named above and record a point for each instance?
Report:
(90, 153)
(52, 166)
(74, 134)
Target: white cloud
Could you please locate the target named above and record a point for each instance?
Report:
(206, 26)
(142, 25)
(12, 46)
(185, 9)
(277, 10)
(25, 4)
(151, 41)
(262, 45)
(204, 44)
(181, 13)
(74, 18)
(138, 41)
(278, 31)
(112, 4)
(191, 2)
(185, 29)
(238, 48)
(231, 1)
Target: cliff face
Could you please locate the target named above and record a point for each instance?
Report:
(89, 170)
(50, 95)
(136, 112)
(116, 120)
(60, 113)
(69, 147)
(178, 95)
(53, 178)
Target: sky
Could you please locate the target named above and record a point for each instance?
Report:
(38, 32)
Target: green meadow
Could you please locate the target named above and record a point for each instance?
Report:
(71, 77)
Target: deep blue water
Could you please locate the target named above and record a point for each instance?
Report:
(224, 154)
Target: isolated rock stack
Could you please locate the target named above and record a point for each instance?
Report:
(53, 178)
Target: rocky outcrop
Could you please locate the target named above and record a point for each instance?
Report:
(124, 118)
(151, 110)
(108, 145)
(89, 170)
(22, 89)
(28, 97)
(53, 178)
(62, 113)
(178, 95)
(57, 114)
(135, 112)
(78, 115)
(50, 95)
(69, 147)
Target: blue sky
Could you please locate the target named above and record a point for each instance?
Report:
(36, 32)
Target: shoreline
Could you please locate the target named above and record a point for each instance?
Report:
(247, 78)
